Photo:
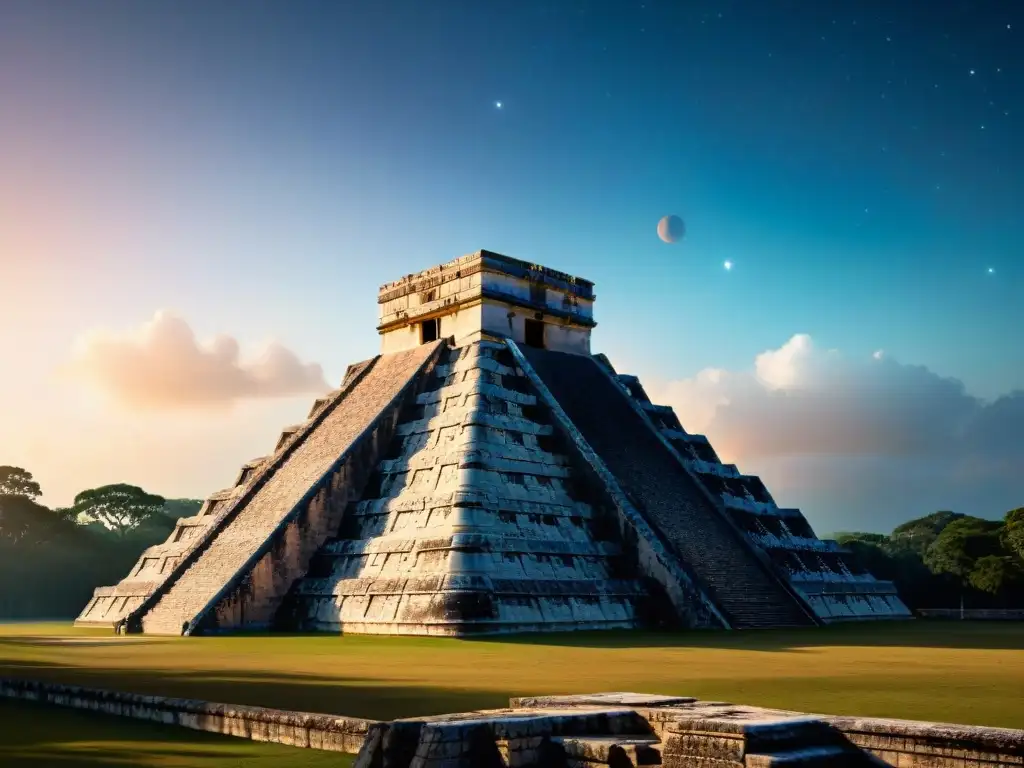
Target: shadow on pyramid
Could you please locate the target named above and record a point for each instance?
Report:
(487, 474)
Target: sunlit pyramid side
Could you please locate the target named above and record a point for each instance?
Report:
(487, 474)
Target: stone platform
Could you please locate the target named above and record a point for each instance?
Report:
(579, 731)
(635, 729)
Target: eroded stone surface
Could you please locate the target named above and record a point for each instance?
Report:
(475, 523)
(724, 565)
(300, 729)
(825, 575)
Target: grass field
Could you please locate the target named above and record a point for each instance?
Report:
(957, 671)
(35, 735)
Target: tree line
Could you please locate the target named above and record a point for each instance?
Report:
(52, 559)
(948, 559)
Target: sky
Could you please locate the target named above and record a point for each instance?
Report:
(199, 200)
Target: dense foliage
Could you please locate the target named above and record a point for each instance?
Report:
(51, 560)
(945, 557)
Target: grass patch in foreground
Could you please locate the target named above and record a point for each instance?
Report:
(40, 735)
(959, 672)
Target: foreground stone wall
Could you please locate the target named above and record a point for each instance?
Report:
(278, 726)
(973, 614)
(923, 745)
(585, 731)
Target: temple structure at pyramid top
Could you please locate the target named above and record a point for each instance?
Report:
(486, 473)
(487, 295)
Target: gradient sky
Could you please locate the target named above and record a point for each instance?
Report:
(259, 168)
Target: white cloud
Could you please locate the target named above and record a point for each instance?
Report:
(163, 366)
(870, 437)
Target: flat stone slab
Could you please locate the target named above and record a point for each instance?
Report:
(603, 699)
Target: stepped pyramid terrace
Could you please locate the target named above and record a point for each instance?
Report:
(486, 473)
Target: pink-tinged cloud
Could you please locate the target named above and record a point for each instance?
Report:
(162, 366)
(799, 400)
(858, 443)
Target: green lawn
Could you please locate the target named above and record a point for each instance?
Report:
(958, 672)
(38, 735)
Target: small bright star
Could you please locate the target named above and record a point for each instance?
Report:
(991, 271)
(727, 265)
(972, 71)
(497, 104)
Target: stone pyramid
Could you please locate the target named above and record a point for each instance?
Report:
(486, 474)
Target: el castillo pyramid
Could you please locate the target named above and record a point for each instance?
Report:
(486, 473)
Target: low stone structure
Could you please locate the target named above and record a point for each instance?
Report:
(628, 729)
(973, 614)
(580, 731)
(296, 729)
(487, 474)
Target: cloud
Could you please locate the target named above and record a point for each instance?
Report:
(867, 437)
(163, 366)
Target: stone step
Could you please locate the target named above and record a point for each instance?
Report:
(611, 750)
(732, 738)
(811, 757)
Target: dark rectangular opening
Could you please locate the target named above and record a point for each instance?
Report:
(538, 293)
(429, 331)
(533, 333)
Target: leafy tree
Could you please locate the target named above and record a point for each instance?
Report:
(121, 508)
(176, 508)
(19, 515)
(921, 532)
(15, 481)
(1013, 531)
(846, 538)
(66, 513)
(994, 574)
(25, 521)
(961, 544)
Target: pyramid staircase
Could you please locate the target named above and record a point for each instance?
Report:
(746, 589)
(233, 565)
(827, 577)
(474, 522)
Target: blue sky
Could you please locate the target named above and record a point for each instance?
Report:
(260, 168)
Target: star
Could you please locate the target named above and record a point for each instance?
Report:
(991, 271)
(972, 72)
(727, 265)
(497, 104)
